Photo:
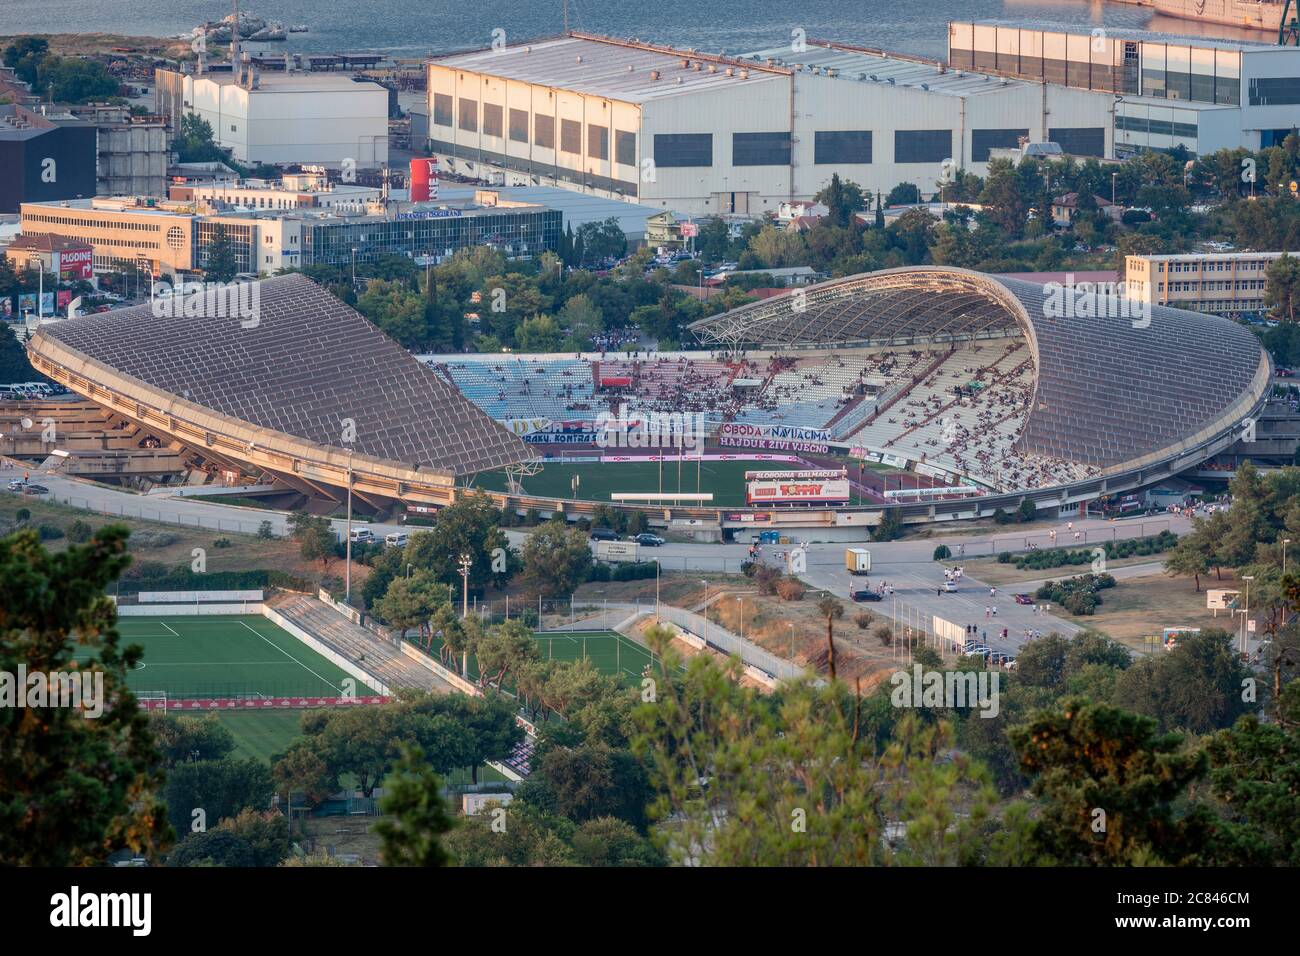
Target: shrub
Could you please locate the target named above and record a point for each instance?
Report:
(222, 543)
(766, 578)
(789, 589)
(153, 539)
(49, 532)
(942, 553)
(885, 634)
(1001, 517)
(79, 532)
(529, 617)
(1027, 511)
(863, 621)
(265, 531)
(23, 515)
(748, 568)
(1004, 557)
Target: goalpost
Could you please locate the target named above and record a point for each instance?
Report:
(153, 700)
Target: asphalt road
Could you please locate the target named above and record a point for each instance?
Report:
(907, 566)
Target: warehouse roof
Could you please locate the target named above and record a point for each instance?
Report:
(863, 65)
(619, 69)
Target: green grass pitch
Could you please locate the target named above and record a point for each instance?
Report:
(226, 656)
(726, 479)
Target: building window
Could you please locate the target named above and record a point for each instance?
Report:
(519, 126)
(842, 146)
(571, 137)
(441, 109)
(492, 120)
(598, 142)
(1080, 140)
(469, 115)
(624, 148)
(760, 149)
(677, 150)
(983, 140)
(922, 145)
(1274, 90)
(544, 131)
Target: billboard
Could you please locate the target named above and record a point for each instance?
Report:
(75, 263)
(787, 432)
(791, 487)
(775, 444)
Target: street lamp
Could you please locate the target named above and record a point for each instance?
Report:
(1245, 619)
(347, 554)
(466, 562)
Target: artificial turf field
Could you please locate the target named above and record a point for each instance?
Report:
(726, 479)
(248, 656)
(226, 656)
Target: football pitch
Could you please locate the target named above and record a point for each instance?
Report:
(241, 656)
(598, 480)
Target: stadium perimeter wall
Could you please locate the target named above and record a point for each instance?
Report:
(186, 610)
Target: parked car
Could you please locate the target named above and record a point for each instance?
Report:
(604, 534)
(35, 490)
(16, 484)
(649, 540)
(950, 585)
(1024, 599)
(362, 535)
(867, 595)
(395, 539)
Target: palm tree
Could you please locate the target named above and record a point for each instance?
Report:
(832, 610)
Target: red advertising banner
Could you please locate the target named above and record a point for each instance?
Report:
(259, 703)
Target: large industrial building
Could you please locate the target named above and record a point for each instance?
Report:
(715, 135)
(286, 117)
(1166, 90)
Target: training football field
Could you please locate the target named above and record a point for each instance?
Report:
(598, 480)
(226, 656)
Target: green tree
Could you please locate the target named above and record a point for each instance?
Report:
(221, 265)
(556, 560)
(397, 311)
(415, 816)
(1109, 788)
(219, 788)
(75, 790)
(1282, 286)
(842, 198)
(182, 739)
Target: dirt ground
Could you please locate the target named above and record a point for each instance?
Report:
(83, 44)
(1142, 606)
(243, 552)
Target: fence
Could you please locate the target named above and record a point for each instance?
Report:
(188, 520)
(751, 655)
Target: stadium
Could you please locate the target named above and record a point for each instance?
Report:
(940, 391)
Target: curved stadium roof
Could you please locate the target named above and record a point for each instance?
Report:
(287, 383)
(1110, 390)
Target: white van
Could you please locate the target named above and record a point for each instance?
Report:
(362, 535)
(395, 539)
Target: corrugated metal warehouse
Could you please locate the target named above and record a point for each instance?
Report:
(706, 134)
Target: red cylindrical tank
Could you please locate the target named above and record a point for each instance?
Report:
(424, 179)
